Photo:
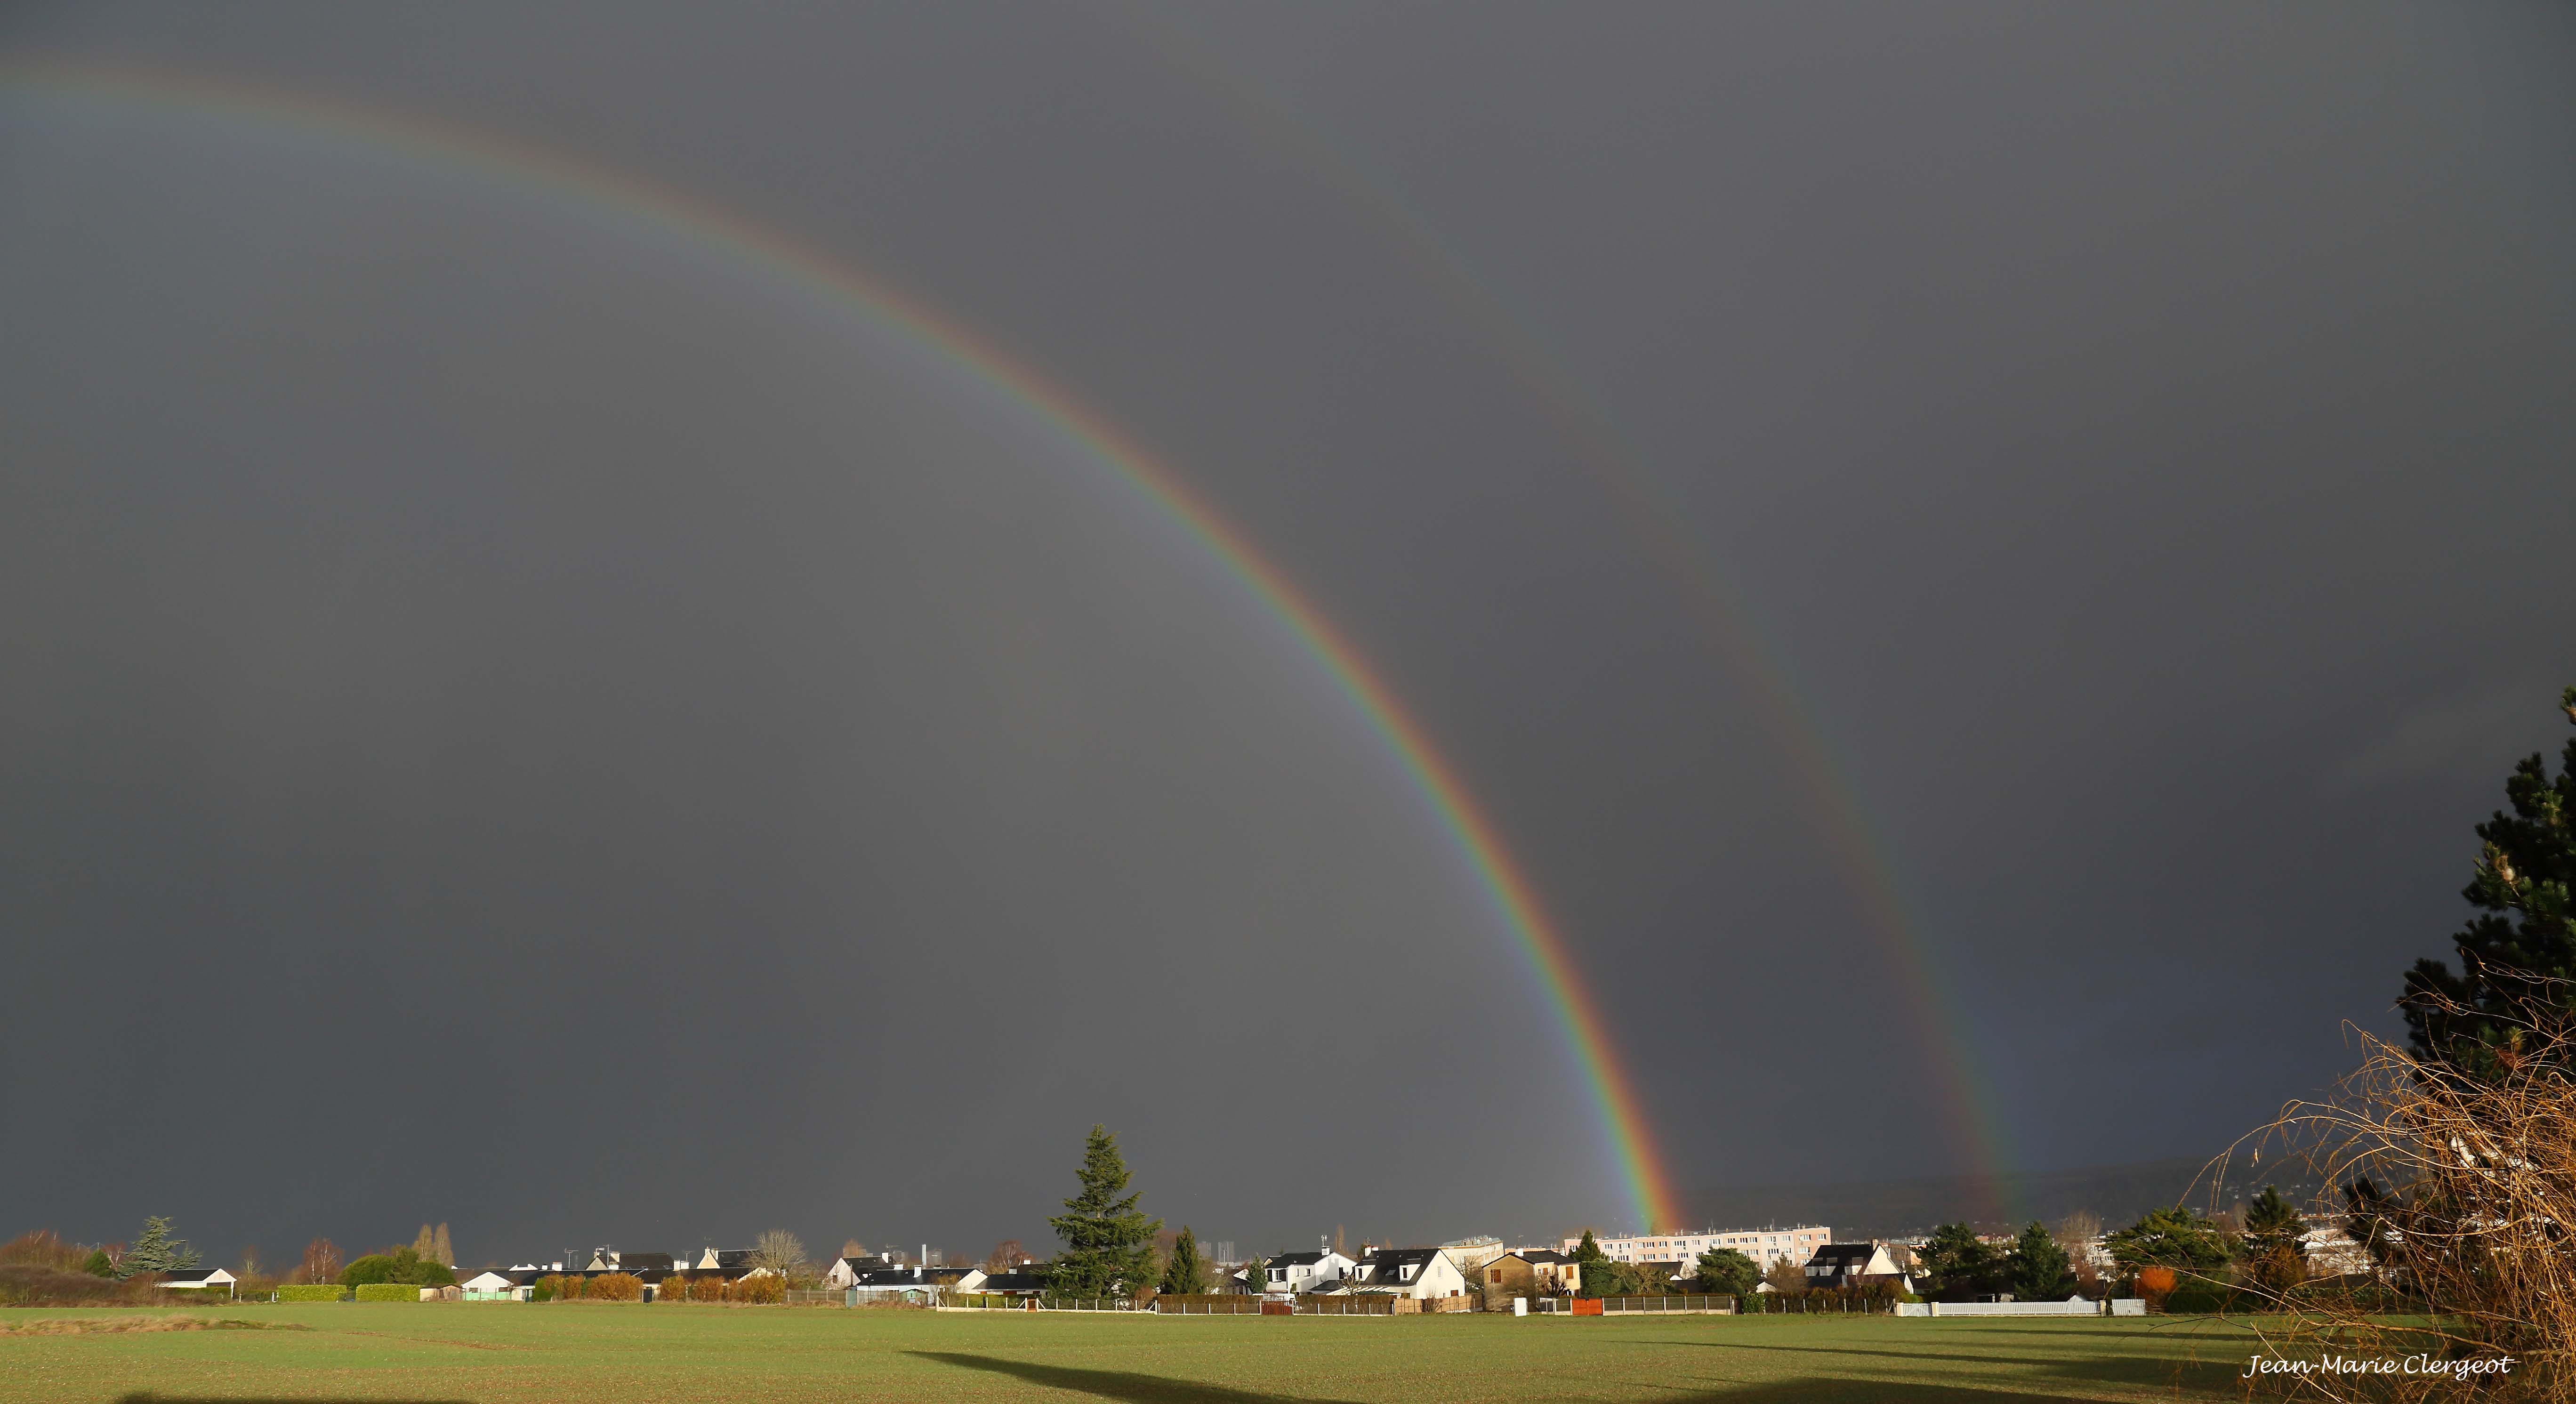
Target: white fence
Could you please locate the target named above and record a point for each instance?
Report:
(2075, 1307)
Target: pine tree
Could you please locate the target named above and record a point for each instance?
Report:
(157, 1251)
(1254, 1274)
(441, 1250)
(1185, 1273)
(2174, 1238)
(1593, 1273)
(1959, 1262)
(2039, 1269)
(1726, 1271)
(2518, 957)
(1108, 1242)
(2273, 1257)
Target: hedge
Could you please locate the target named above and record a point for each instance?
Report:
(312, 1292)
(388, 1292)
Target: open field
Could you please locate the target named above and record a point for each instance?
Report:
(576, 1352)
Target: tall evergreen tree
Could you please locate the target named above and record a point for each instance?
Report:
(1592, 1268)
(1186, 1272)
(2273, 1257)
(441, 1250)
(424, 1244)
(1723, 1270)
(157, 1251)
(2272, 1225)
(2518, 956)
(1108, 1242)
(2174, 1238)
(2038, 1269)
(1960, 1263)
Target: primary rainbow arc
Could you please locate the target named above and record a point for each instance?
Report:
(1504, 883)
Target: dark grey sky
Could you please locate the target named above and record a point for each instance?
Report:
(512, 717)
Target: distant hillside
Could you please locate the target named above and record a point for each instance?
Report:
(1897, 1208)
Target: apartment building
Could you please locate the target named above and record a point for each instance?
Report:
(1764, 1246)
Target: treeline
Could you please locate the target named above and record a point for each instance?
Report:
(42, 1268)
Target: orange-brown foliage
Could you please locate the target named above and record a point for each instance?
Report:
(616, 1287)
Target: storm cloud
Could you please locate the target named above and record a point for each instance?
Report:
(523, 713)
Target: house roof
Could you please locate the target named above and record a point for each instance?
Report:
(904, 1277)
(1311, 1255)
(1397, 1257)
(1014, 1282)
(1542, 1255)
(1842, 1254)
(632, 1261)
(197, 1275)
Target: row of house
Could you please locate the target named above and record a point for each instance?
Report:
(1483, 1267)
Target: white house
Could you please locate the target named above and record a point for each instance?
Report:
(201, 1279)
(1305, 1272)
(1410, 1272)
(847, 1269)
(492, 1284)
(1852, 1264)
(734, 1263)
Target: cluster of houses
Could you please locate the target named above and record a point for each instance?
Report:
(1470, 1268)
(1464, 1271)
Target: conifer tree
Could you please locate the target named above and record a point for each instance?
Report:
(442, 1251)
(1185, 1273)
(157, 1251)
(1592, 1268)
(424, 1244)
(1254, 1274)
(2039, 1269)
(1108, 1242)
(2174, 1237)
(1959, 1262)
(1726, 1271)
(2272, 1233)
(2518, 956)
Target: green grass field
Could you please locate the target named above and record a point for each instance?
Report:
(578, 1352)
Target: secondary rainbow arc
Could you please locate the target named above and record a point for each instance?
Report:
(1822, 787)
(1506, 885)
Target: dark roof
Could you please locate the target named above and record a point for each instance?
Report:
(1543, 1255)
(633, 1261)
(1397, 1256)
(1013, 1282)
(1833, 1254)
(1311, 1255)
(903, 1277)
(860, 1262)
(732, 1257)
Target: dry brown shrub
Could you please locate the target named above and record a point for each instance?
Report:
(2470, 1197)
(616, 1287)
(43, 1248)
(119, 1326)
(759, 1291)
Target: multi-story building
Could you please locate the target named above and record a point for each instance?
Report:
(1763, 1246)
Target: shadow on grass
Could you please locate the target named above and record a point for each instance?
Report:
(1154, 1389)
(1830, 1391)
(2127, 1368)
(148, 1397)
(1110, 1384)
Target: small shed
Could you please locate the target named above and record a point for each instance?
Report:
(200, 1280)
